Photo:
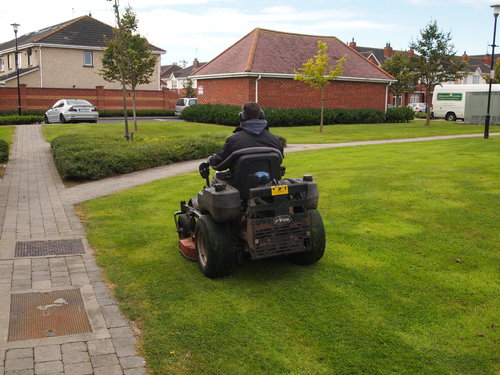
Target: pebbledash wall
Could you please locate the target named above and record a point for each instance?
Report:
(33, 98)
(287, 93)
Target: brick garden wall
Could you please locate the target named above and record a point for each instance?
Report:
(41, 98)
(287, 93)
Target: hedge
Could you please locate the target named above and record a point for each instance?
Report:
(228, 115)
(400, 114)
(19, 120)
(4, 151)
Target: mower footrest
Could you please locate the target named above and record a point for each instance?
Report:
(187, 248)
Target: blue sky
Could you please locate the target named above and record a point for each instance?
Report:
(204, 28)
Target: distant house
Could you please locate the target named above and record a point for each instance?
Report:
(67, 55)
(165, 73)
(260, 67)
(476, 68)
(178, 79)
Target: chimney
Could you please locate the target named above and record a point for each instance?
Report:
(465, 58)
(352, 44)
(487, 59)
(411, 53)
(196, 63)
(387, 50)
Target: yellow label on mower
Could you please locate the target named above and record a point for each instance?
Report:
(279, 190)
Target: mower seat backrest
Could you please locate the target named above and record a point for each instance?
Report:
(244, 172)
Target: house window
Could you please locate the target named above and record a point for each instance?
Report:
(2, 65)
(88, 58)
(9, 61)
(30, 57)
(414, 98)
(174, 84)
(19, 64)
(475, 80)
(465, 80)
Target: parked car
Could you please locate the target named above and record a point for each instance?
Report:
(418, 107)
(71, 110)
(183, 103)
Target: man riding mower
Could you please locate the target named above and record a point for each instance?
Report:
(249, 209)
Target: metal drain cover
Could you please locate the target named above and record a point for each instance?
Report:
(50, 247)
(47, 314)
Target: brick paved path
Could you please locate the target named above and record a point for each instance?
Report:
(33, 217)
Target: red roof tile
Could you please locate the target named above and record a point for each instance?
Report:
(274, 52)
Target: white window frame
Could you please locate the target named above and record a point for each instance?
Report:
(2, 64)
(9, 61)
(475, 80)
(19, 61)
(85, 54)
(30, 58)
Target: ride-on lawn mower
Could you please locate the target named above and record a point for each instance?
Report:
(252, 211)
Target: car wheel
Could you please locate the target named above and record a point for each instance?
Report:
(62, 119)
(450, 116)
(318, 241)
(216, 247)
(46, 119)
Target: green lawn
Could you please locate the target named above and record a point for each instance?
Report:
(409, 283)
(7, 133)
(301, 134)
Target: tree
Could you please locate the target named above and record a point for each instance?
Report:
(399, 66)
(127, 59)
(496, 74)
(435, 61)
(190, 91)
(318, 74)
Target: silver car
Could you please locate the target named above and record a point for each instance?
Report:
(71, 110)
(183, 103)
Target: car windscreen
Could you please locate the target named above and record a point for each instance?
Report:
(192, 101)
(78, 102)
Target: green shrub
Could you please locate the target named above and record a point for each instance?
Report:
(400, 114)
(421, 115)
(228, 115)
(82, 158)
(4, 151)
(19, 120)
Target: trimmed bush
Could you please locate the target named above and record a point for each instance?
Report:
(33, 112)
(19, 120)
(228, 115)
(400, 114)
(4, 151)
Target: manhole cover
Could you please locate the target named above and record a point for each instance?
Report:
(47, 314)
(50, 247)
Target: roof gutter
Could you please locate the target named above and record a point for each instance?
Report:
(66, 46)
(285, 76)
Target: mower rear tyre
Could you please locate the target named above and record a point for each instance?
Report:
(216, 246)
(318, 241)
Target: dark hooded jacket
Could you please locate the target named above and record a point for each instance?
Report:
(250, 133)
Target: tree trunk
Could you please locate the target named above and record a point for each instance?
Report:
(125, 112)
(322, 110)
(428, 106)
(133, 109)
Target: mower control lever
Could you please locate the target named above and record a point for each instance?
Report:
(205, 172)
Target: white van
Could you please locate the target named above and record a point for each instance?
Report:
(183, 103)
(448, 101)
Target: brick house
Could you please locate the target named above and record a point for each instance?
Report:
(67, 55)
(260, 67)
(476, 68)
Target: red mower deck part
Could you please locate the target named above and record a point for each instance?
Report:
(187, 248)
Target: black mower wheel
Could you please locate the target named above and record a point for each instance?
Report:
(216, 247)
(184, 224)
(318, 241)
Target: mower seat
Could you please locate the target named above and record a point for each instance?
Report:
(252, 170)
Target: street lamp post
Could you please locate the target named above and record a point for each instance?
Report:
(496, 11)
(16, 26)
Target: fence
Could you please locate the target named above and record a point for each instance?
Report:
(33, 98)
